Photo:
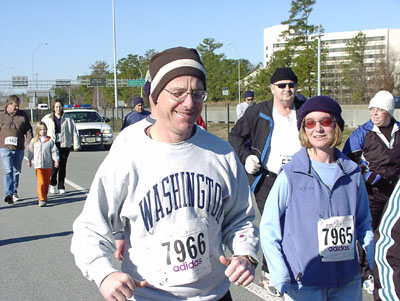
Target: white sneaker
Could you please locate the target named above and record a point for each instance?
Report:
(15, 197)
(42, 203)
(53, 189)
(368, 284)
(266, 283)
(61, 191)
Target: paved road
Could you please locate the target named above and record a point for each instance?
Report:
(36, 263)
(35, 242)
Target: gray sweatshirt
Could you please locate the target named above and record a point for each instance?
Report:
(43, 153)
(178, 205)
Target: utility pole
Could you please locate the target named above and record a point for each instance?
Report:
(319, 59)
(115, 62)
(237, 52)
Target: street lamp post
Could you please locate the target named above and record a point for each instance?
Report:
(141, 87)
(34, 84)
(319, 60)
(115, 60)
(237, 52)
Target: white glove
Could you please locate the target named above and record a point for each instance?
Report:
(252, 164)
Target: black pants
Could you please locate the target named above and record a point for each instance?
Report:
(61, 171)
(227, 297)
(378, 196)
(261, 194)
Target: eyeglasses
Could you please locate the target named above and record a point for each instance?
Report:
(326, 121)
(283, 85)
(376, 110)
(180, 95)
(249, 99)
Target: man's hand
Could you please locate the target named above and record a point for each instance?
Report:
(120, 248)
(239, 269)
(119, 286)
(252, 164)
(55, 164)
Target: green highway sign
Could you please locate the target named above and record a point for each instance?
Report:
(136, 82)
(97, 82)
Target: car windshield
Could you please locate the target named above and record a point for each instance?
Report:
(80, 117)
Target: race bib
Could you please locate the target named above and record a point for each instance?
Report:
(183, 255)
(336, 238)
(58, 138)
(286, 159)
(11, 141)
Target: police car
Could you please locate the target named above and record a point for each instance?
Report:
(92, 127)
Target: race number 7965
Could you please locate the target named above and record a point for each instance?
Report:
(335, 235)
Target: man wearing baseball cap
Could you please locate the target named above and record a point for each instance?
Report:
(375, 146)
(265, 138)
(181, 196)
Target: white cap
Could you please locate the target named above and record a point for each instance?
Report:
(383, 100)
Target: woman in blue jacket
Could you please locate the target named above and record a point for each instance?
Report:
(315, 213)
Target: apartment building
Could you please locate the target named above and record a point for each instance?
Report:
(382, 45)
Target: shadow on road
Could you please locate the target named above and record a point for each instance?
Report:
(34, 237)
(52, 200)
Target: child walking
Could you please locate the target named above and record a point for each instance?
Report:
(44, 152)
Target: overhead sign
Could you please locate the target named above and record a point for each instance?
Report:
(97, 82)
(41, 93)
(63, 83)
(225, 91)
(136, 82)
(19, 81)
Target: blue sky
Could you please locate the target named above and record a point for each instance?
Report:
(79, 33)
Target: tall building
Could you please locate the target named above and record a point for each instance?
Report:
(382, 46)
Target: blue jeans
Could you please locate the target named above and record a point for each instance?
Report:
(12, 164)
(351, 291)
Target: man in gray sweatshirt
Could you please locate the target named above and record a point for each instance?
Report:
(180, 194)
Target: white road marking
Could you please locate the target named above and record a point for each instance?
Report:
(260, 292)
(76, 186)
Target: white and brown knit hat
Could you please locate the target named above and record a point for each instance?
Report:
(171, 63)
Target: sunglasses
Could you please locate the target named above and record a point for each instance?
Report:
(283, 85)
(326, 121)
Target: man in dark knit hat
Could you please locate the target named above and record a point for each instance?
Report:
(179, 193)
(265, 138)
(137, 114)
(248, 102)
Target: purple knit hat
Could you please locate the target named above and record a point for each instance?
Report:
(321, 104)
(137, 100)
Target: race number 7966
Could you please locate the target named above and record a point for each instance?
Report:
(181, 249)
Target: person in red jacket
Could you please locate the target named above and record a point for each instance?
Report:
(201, 122)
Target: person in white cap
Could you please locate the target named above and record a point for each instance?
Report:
(375, 146)
(179, 193)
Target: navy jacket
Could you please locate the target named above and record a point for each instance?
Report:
(252, 134)
(134, 117)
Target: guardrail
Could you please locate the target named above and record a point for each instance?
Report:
(353, 115)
